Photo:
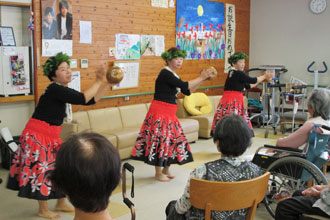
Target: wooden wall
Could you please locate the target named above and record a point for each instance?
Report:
(110, 17)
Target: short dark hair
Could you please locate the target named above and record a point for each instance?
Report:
(49, 10)
(233, 134)
(63, 3)
(319, 102)
(87, 170)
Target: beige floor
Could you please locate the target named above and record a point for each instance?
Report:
(151, 197)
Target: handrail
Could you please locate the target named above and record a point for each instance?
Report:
(151, 93)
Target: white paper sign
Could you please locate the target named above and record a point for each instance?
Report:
(85, 32)
(52, 47)
(159, 3)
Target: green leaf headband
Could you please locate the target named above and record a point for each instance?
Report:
(169, 55)
(237, 56)
(52, 64)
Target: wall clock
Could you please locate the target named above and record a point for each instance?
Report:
(318, 6)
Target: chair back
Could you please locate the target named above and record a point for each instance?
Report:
(228, 196)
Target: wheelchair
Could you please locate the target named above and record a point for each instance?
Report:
(292, 169)
(126, 200)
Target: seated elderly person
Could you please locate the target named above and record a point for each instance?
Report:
(232, 136)
(312, 201)
(318, 106)
(87, 170)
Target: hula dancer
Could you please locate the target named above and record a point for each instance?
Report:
(35, 158)
(237, 81)
(161, 141)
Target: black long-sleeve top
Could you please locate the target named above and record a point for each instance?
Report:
(52, 103)
(238, 81)
(166, 87)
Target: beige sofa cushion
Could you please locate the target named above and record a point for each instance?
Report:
(112, 138)
(133, 115)
(82, 119)
(126, 137)
(215, 102)
(189, 125)
(181, 112)
(105, 119)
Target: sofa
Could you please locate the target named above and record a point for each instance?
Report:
(204, 120)
(120, 125)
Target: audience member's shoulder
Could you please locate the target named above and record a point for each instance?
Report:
(253, 166)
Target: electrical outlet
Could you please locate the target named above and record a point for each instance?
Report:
(126, 98)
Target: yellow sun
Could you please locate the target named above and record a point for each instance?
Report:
(200, 10)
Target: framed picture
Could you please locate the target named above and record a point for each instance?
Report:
(7, 36)
(131, 74)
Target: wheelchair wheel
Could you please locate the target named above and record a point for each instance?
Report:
(286, 175)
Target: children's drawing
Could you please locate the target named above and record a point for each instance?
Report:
(200, 29)
(148, 45)
(152, 45)
(127, 46)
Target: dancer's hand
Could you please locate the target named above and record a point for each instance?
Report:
(268, 76)
(206, 74)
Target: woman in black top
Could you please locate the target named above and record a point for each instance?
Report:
(40, 140)
(237, 81)
(161, 141)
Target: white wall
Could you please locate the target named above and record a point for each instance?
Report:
(286, 32)
(15, 115)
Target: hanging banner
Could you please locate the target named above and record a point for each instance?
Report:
(230, 34)
(56, 27)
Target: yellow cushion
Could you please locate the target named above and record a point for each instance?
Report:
(197, 104)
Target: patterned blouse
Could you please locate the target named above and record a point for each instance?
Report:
(225, 170)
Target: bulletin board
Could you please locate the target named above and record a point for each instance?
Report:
(131, 74)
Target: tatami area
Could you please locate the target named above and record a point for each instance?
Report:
(151, 196)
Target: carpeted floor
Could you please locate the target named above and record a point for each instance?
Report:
(151, 196)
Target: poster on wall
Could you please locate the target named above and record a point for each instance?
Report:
(56, 27)
(127, 46)
(200, 29)
(131, 74)
(152, 45)
(159, 3)
(74, 84)
(230, 34)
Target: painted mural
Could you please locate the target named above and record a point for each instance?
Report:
(200, 29)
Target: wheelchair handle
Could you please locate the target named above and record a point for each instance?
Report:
(128, 202)
(129, 167)
(320, 71)
(325, 127)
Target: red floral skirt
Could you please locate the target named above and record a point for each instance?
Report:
(161, 141)
(232, 102)
(34, 160)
